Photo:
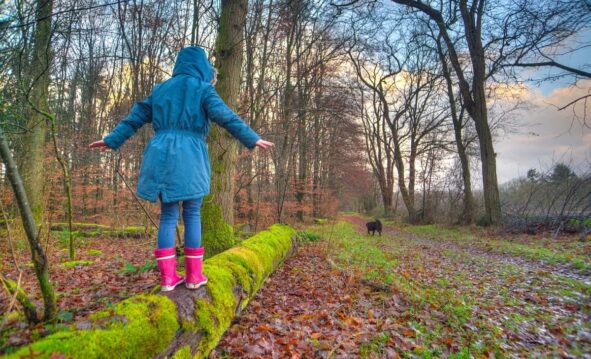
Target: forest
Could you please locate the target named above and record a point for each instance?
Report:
(423, 188)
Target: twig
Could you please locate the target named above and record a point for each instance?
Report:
(136, 197)
(558, 230)
(573, 102)
(10, 237)
(178, 231)
(329, 241)
(12, 301)
(14, 289)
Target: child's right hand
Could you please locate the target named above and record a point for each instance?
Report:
(99, 144)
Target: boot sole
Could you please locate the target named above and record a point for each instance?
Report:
(195, 285)
(168, 288)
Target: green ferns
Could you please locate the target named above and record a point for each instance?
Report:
(145, 325)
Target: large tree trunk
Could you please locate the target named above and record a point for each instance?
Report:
(31, 159)
(479, 112)
(474, 96)
(467, 216)
(218, 207)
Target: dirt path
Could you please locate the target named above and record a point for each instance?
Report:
(531, 265)
(538, 304)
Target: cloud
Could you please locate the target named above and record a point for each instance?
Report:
(546, 135)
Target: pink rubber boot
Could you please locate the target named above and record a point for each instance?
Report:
(166, 259)
(194, 266)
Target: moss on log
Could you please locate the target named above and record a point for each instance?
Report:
(178, 324)
(97, 230)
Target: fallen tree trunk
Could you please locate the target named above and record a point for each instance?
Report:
(182, 323)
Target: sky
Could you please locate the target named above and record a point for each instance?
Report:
(545, 135)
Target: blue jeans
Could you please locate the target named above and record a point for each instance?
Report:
(169, 216)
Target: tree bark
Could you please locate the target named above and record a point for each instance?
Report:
(467, 216)
(31, 160)
(218, 207)
(474, 96)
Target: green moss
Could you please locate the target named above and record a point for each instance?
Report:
(93, 233)
(96, 230)
(79, 226)
(134, 229)
(183, 353)
(144, 325)
(140, 327)
(94, 252)
(217, 234)
(72, 264)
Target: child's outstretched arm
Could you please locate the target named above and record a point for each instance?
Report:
(140, 114)
(220, 113)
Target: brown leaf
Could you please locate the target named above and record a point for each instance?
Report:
(408, 332)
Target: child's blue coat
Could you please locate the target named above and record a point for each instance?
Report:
(176, 163)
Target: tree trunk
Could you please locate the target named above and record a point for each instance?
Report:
(467, 216)
(39, 258)
(474, 96)
(302, 175)
(218, 207)
(31, 160)
(479, 111)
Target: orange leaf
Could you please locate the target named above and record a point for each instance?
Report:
(408, 332)
(315, 335)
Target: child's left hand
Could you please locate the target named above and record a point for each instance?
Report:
(99, 144)
(264, 144)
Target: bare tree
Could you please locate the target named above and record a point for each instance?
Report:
(474, 94)
(32, 230)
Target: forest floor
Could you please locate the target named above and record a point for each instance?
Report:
(107, 270)
(416, 291)
(421, 291)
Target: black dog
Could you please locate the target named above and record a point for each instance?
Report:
(373, 227)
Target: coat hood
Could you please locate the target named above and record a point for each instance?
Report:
(193, 61)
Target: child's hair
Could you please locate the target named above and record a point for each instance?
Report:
(214, 80)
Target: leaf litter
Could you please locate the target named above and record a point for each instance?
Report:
(421, 298)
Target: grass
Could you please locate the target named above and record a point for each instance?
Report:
(401, 264)
(129, 268)
(80, 263)
(552, 253)
(364, 255)
(94, 252)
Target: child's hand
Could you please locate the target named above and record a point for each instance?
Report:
(264, 144)
(99, 144)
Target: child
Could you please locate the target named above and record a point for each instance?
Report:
(176, 164)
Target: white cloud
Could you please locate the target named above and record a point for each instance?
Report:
(547, 135)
